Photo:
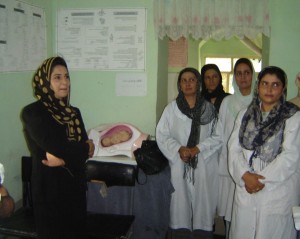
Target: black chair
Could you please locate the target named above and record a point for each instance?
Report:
(100, 226)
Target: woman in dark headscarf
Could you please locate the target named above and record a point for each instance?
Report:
(212, 88)
(181, 132)
(59, 147)
(264, 162)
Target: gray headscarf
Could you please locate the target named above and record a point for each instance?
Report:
(202, 114)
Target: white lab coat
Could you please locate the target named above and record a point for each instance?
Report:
(226, 185)
(192, 206)
(229, 109)
(268, 213)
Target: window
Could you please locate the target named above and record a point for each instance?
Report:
(226, 65)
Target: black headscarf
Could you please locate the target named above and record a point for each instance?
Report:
(61, 110)
(202, 114)
(219, 92)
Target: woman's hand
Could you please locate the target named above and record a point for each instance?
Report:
(53, 161)
(194, 151)
(252, 183)
(3, 191)
(185, 154)
(91, 147)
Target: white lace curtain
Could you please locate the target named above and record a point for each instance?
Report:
(211, 19)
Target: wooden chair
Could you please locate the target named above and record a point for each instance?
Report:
(100, 226)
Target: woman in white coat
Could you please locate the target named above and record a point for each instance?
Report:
(264, 162)
(184, 125)
(243, 84)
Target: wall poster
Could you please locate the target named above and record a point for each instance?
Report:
(102, 39)
(23, 44)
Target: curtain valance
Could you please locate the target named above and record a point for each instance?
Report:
(211, 19)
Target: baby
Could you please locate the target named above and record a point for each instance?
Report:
(116, 135)
(116, 139)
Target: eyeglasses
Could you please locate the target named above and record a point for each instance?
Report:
(242, 73)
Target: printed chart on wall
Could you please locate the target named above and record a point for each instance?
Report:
(23, 43)
(102, 39)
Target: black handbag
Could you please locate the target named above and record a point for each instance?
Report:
(149, 158)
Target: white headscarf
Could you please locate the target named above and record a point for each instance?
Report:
(239, 101)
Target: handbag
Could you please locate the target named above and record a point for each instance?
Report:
(149, 158)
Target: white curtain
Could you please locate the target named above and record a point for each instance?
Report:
(211, 19)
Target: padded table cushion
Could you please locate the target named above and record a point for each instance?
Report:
(113, 174)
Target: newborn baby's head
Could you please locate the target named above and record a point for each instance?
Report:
(116, 135)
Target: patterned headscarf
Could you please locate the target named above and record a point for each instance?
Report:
(202, 114)
(265, 137)
(61, 110)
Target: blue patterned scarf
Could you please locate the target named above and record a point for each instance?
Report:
(260, 135)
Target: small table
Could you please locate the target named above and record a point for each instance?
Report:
(149, 201)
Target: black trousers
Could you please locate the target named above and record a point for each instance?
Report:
(61, 220)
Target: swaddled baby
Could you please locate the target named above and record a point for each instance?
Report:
(117, 134)
(116, 139)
